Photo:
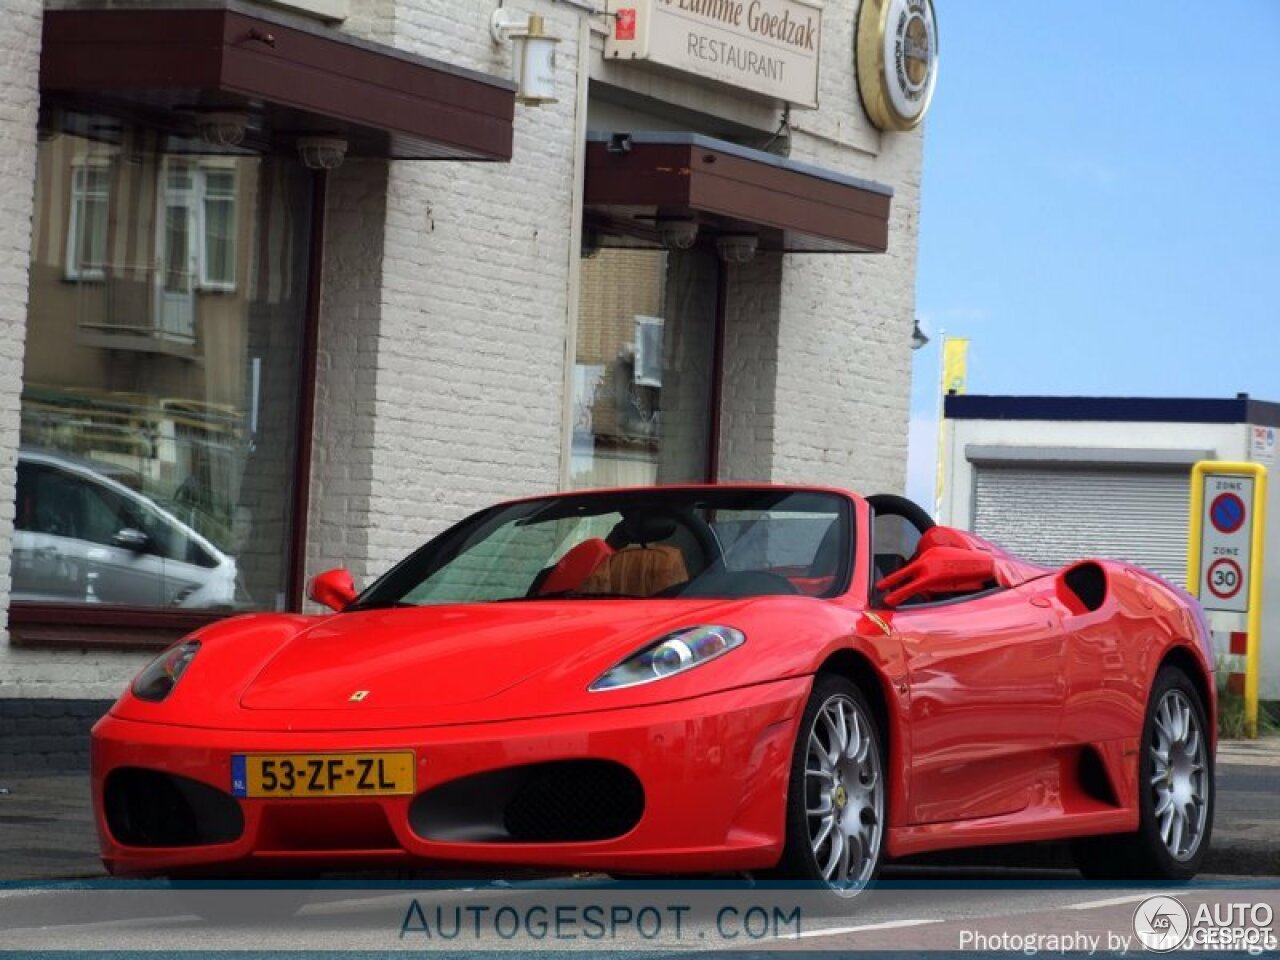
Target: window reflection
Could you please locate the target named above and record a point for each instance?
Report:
(159, 409)
(643, 375)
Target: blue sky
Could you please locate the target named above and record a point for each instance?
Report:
(1101, 202)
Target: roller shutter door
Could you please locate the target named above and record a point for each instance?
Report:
(1054, 516)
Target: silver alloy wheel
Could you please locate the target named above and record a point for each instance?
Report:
(1179, 775)
(844, 795)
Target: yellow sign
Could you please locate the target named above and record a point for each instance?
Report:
(322, 774)
(955, 365)
(1224, 559)
(955, 375)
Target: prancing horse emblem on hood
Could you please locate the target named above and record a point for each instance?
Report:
(359, 695)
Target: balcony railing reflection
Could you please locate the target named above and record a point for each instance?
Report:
(141, 307)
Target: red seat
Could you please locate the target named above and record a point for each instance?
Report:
(575, 567)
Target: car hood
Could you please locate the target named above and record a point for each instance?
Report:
(475, 663)
(442, 656)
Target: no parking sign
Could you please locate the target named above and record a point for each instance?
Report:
(1226, 542)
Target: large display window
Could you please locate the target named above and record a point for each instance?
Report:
(645, 371)
(164, 373)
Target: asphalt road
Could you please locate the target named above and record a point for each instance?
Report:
(1248, 793)
(45, 831)
(951, 918)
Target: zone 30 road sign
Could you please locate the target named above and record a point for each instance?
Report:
(1225, 542)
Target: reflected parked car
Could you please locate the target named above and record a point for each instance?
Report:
(82, 537)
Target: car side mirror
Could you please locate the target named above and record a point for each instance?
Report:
(939, 570)
(334, 589)
(131, 538)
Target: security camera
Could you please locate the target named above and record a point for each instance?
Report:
(322, 153)
(678, 234)
(737, 247)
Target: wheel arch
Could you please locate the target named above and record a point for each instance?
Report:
(1180, 655)
(857, 667)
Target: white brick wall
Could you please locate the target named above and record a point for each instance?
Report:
(467, 349)
(818, 355)
(845, 340)
(748, 417)
(347, 367)
(19, 109)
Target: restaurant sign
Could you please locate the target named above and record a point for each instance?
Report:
(766, 46)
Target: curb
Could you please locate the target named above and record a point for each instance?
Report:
(1264, 752)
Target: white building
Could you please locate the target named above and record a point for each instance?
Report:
(1054, 479)
(295, 285)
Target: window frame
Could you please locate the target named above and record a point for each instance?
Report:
(203, 281)
(77, 196)
(197, 198)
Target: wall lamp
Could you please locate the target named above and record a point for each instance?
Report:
(533, 54)
(737, 247)
(222, 128)
(677, 233)
(918, 337)
(322, 153)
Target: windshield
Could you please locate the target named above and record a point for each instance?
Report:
(654, 543)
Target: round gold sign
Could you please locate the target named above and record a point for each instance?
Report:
(897, 54)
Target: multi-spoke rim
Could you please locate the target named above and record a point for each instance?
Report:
(1179, 775)
(844, 795)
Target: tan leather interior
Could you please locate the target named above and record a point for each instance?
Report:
(638, 571)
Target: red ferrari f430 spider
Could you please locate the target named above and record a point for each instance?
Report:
(795, 681)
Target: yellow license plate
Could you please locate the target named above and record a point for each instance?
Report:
(321, 774)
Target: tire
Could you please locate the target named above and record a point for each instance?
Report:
(840, 845)
(1176, 793)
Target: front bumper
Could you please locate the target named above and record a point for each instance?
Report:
(713, 770)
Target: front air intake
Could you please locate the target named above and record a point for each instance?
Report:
(564, 801)
(148, 808)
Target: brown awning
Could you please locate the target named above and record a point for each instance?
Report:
(635, 181)
(165, 66)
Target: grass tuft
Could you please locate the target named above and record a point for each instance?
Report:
(1231, 721)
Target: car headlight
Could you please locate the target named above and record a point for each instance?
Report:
(161, 675)
(675, 653)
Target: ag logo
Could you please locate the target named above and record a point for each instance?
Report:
(1161, 923)
(897, 61)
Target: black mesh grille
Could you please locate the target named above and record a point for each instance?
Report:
(147, 808)
(575, 800)
(563, 801)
